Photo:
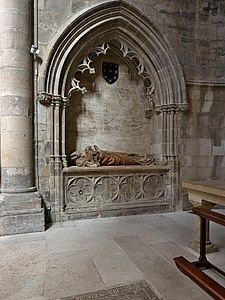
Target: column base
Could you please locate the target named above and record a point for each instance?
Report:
(21, 213)
(210, 247)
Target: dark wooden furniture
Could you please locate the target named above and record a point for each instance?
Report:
(205, 194)
(194, 269)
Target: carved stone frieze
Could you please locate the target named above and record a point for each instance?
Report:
(84, 191)
(172, 108)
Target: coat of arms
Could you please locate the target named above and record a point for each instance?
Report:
(110, 72)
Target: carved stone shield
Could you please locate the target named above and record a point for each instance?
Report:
(110, 72)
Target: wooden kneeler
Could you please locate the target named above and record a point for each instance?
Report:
(194, 269)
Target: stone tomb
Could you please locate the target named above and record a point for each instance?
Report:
(137, 110)
(115, 190)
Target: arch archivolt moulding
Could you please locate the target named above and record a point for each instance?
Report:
(116, 20)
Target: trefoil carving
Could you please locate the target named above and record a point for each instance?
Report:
(86, 65)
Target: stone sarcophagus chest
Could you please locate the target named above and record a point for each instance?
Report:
(115, 190)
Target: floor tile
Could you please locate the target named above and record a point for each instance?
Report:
(117, 229)
(135, 247)
(177, 232)
(23, 260)
(68, 224)
(163, 275)
(104, 251)
(64, 239)
(171, 249)
(186, 219)
(148, 233)
(117, 270)
(22, 287)
(71, 273)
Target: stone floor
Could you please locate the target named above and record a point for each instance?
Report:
(79, 257)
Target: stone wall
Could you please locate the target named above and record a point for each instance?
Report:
(195, 30)
(203, 133)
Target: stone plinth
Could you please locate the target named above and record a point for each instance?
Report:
(21, 213)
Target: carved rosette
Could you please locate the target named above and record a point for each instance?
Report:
(106, 189)
(80, 190)
(130, 188)
(85, 191)
(153, 186)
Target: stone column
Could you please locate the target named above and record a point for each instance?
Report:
(20, 203)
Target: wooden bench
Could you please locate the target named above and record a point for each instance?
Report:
(194, 269)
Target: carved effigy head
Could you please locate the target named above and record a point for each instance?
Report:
(147, 160)
(87, 157)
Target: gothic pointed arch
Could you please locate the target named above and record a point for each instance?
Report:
(128, 30)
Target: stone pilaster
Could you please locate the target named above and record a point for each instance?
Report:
(20, 204)
(57, 105)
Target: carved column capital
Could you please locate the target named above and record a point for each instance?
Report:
(47, 99)
(44, 98)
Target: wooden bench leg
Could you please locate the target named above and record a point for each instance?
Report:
(202, 261)
(194, 269)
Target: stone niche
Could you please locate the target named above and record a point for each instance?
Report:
(113, 117)
(138, 114)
